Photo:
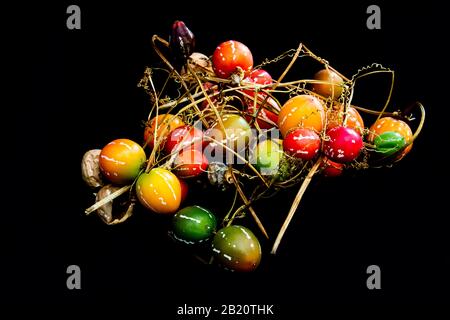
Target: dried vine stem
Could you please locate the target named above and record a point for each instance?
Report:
(294, 58)
(107, 199)
(422, 121)
(295, 204)
(183, 83)
(247, 203)
(247, 163)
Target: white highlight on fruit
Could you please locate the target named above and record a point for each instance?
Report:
(125, 145)
(246, 233)
(169, 185)
(301, 137)
(227, 256)
(142, 198)
(113, 160)
(233, 48)
(161, 199)
(189, 218)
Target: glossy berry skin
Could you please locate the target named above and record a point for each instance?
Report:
(159, 190)
(190, 163)
(331, 87)
(330, 168)
(184, 189)
(302, 143)
(389, 142)
(237, 133)
(229, 56)
(390, 124)
(266, 118)
(303, 111)
(188, 136)
(166, 123)
(121, 160)
(236, 248)
(354, 119)
(258, 77)
(210, 89)
(267, 156)
(193, 225)
(343, 144)
(181, 44)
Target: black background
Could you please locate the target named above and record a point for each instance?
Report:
(81, 92)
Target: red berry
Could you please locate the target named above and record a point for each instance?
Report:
(190, 163)
(302, 143)
(331, 168)
(266, 118)
(343, 144)
(229, 56)
(260, 76)
(165, 123)
(187, 135)
(210, 89)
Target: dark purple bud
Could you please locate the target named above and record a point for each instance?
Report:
(182, 44)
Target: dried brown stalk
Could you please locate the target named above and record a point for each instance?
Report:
(295, 205)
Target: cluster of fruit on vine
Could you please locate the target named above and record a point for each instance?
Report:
(206, 135)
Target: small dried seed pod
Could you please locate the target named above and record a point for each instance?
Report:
(217, 174)
(105, 211)
(116, 210)
(198, 59)
(90, 169)
(198, 62)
